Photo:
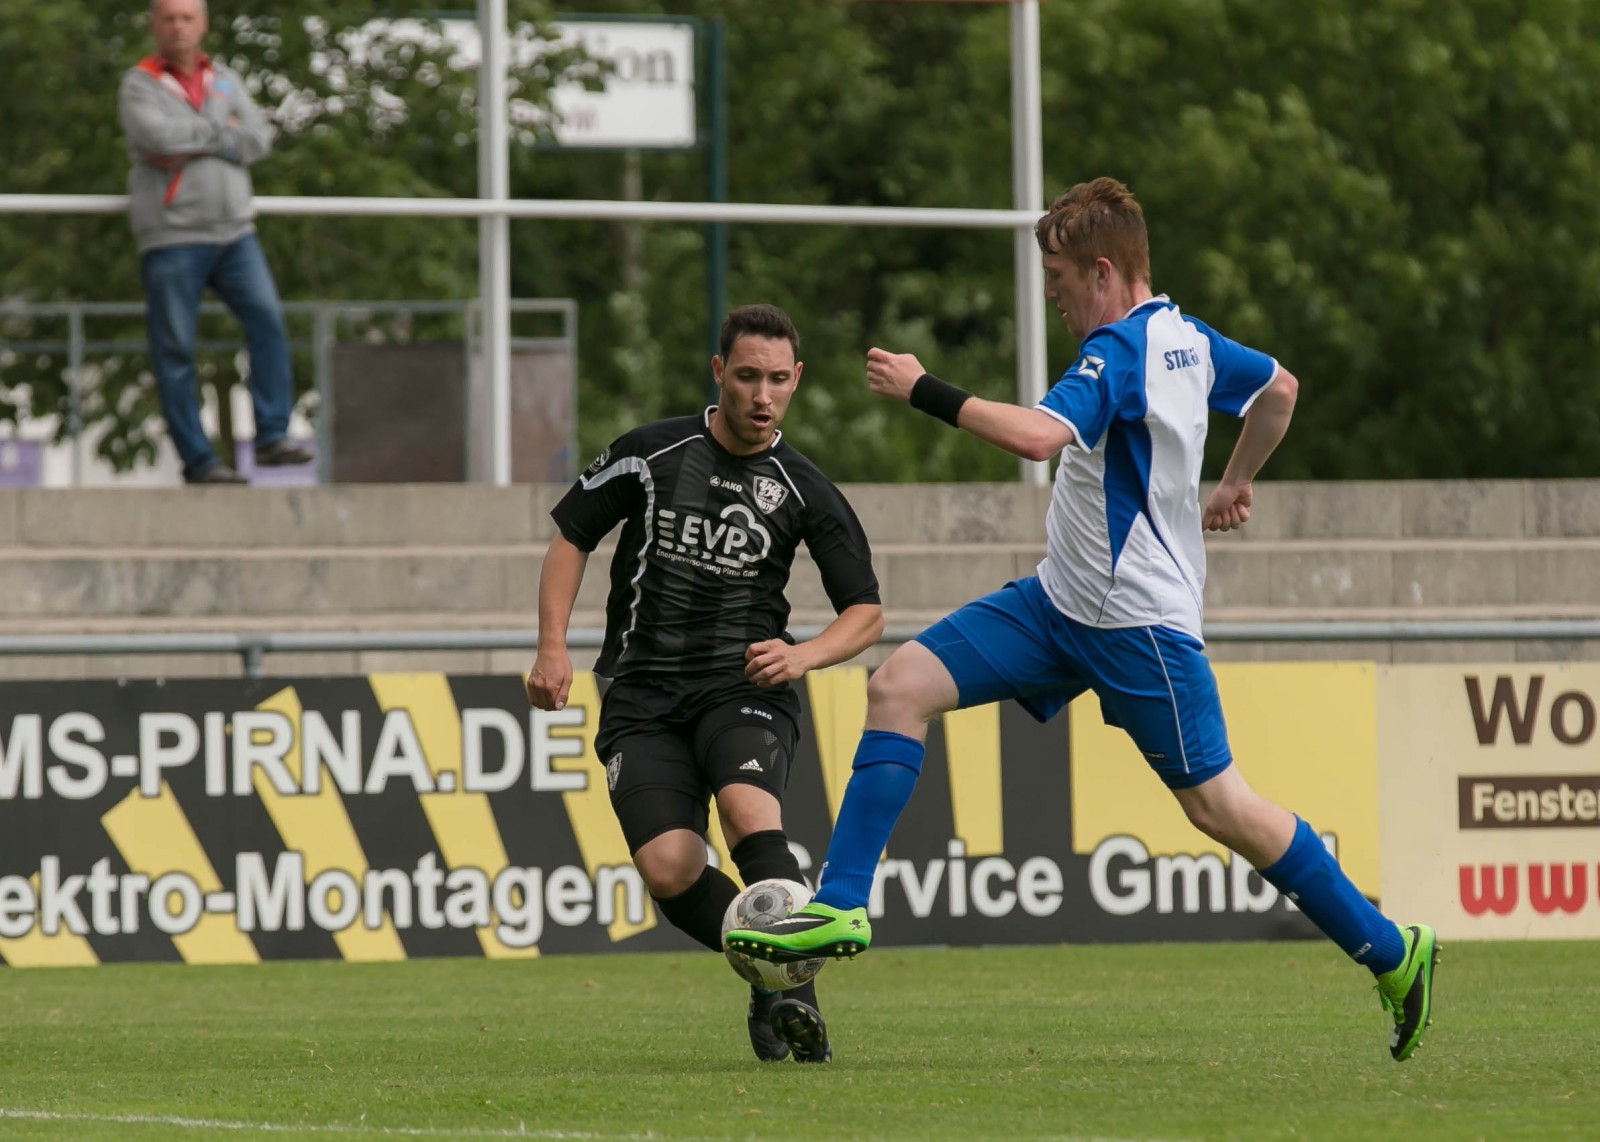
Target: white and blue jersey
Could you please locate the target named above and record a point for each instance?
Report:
(1123, 537)
(1115, 607)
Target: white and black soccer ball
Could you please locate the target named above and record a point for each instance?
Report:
(758, 907)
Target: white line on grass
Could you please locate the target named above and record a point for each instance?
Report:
(179, 1123)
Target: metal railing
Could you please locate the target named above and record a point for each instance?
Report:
(1032, 376)
(953, 218)
(252, 648)
(325, 316)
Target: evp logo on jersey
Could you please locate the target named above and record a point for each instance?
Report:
(730, 543)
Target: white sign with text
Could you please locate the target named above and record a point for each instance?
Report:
(649, 97)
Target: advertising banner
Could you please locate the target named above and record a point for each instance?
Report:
(1302, 734)
(396, 816)
(392, 816)
(1489, 805)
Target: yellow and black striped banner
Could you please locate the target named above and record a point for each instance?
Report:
(392, 816)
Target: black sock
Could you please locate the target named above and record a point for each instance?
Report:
(766, 856)
(698, 909)
(806, 993)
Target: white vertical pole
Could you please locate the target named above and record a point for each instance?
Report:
(494, 234)
(1027, 193)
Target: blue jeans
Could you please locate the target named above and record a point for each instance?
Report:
(174, 278)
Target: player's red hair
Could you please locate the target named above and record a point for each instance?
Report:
(1097, 219)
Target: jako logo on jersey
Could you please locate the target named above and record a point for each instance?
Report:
(719, 482)
(756, 712)
(1181, 359)
(600, 461)
(769, 494)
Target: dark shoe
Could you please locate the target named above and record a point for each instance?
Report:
(800, 1026)
(279, 453)
(764, 1040)
(218, 473)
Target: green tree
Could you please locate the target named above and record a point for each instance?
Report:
(360, 111)
(835, 104)
(1393, 197)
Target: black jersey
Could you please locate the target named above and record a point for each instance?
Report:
(708, 540)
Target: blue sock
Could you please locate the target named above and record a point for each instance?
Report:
(1308, 875)
(882, 777)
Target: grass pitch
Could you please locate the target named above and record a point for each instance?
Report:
(1248, 1041)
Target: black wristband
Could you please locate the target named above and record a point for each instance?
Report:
(938, 398)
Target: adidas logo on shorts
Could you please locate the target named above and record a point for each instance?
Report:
(753, 766)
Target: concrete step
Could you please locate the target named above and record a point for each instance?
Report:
(1486, 509)
(304, 583)
(335, 582)
(423, 515)
(1418, 574)
(467, 557)
(427, 515)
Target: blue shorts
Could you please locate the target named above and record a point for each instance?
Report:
(1154, 682)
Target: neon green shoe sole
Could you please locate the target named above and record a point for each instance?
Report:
(815, 930)
(1407, 991)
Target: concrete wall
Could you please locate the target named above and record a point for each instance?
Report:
(388, 557)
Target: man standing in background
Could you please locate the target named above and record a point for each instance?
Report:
(192, 133)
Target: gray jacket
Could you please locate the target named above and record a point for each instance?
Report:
(208, 199)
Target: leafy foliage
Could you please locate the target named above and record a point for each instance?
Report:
(358, 114)
(1392, 197)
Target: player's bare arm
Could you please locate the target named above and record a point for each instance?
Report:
(551, 677)
(775, 661)
(1228, 506)
(1024, 432)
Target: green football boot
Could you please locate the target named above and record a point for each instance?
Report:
(1407, 991)
(815, 930)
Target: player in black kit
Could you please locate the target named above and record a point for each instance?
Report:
(700, 705)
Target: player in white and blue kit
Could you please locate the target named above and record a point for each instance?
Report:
(1116, 604)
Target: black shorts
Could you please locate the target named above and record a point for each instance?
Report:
(685, 743)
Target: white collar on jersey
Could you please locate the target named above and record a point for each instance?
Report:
(1162, 298)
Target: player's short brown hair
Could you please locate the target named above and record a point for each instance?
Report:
(760, 320)
(1097, 219)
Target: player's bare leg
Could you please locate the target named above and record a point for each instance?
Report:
(693, 897)
(908, 690)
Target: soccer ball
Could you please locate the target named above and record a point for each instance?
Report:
(757, 907)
